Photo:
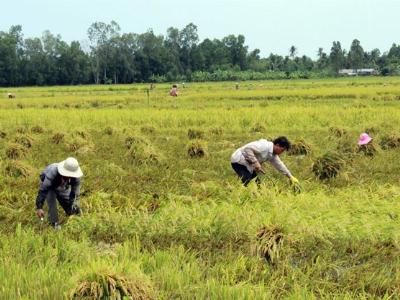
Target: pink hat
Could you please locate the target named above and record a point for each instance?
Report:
(364, 139)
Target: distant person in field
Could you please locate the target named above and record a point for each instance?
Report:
(364, 139)
(59, 181)
(174, 91)
(247, 160)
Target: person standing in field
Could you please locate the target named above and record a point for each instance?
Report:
(174, 91)
(364, 139)
(247, 160)
(59, 181)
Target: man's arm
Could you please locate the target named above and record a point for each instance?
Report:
(74, 195)
(280, 166)
(44, 188)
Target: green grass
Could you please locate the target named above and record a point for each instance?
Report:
(183, 227)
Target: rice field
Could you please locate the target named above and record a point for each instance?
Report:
(164, 216)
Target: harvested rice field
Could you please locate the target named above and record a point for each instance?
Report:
(163, 213)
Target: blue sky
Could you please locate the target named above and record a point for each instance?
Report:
(270, 25)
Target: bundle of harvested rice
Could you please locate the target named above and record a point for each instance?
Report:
(299, 147)
(37, 129)
(390, 141)
(268, 243)
(143, 153)
(337, 132)
(197, 148)
(113, 287)
(133, 140)
(108, 130)
(24, 140)
(15, 151)
(328, 166)
(18, 169)
(58, 137)
(368, 150)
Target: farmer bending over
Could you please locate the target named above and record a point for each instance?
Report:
(247, 160)
(59, 181)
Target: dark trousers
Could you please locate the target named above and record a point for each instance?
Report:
(65, 203)
(244, 174)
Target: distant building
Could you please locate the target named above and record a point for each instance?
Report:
(355, 72)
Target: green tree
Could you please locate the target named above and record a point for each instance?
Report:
(100, 35)
(323, 60)
(292, 52)
(356, 55)
(337, 57)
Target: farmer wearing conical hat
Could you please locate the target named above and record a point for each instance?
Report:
(59, 181)
(247, 160)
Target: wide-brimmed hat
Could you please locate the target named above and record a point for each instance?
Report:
(69, 168)
(364, 139)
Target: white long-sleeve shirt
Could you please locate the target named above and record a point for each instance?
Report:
(261, 151)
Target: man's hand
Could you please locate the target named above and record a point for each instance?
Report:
(40, 213)
(294, 180)
(75, 209)
(258, 168)
(297, 188)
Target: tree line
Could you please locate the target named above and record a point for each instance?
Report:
(114, 57)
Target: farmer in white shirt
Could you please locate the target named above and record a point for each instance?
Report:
(247, 160)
